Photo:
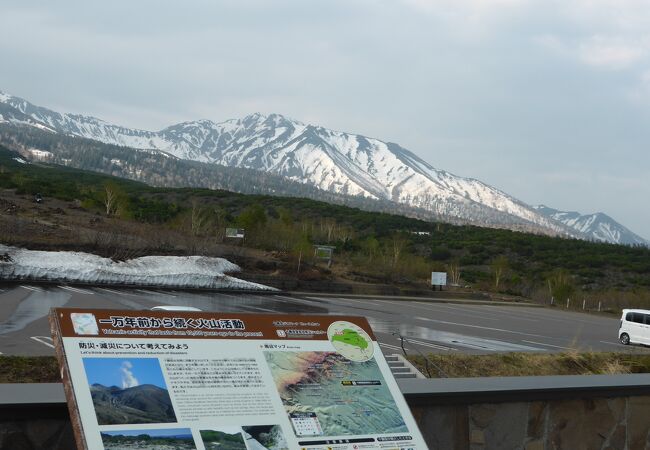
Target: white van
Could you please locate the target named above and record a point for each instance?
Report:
(635, 327)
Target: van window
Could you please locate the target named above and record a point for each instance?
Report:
(638, 317)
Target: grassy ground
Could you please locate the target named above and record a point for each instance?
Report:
(533, 364)
(29, 369)
(45, 369)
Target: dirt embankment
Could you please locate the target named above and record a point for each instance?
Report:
(532, 364)
(59, 225)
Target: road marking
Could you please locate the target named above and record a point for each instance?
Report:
(108, 290)
(479, 327)
(43, 340)
(261, 309)
(456, 311)
(504, 312)
(371, 303)
(145, 291)
(425, 344)
(118, 292)
(374, 302)
(318, 299)
(548, 345)
(487, 311)
(392, 347)
(549, 314)
(77, 290)
(346, 302)
(32, 288)
(242, 300)
(165, 294)
(289, 298)
(296, 300)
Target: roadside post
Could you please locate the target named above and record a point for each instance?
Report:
(171, 379)
(438, 279)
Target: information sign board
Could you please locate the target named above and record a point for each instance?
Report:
(235, 233)
(208, 380)
(438, 278)
(323, 251)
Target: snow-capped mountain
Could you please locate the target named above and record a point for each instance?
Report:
(597, 226)
(335, 161)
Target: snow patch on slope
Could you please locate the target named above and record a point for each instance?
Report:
(597, 226)
(168, 271)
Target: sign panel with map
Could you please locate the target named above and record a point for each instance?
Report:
(209, 380)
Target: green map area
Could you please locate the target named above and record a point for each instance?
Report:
(351, 337)
(349, 398)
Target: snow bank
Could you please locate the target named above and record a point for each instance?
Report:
(169, 271)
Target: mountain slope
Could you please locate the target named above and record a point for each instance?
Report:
(597, 226)
(140, 404)
(337, 162)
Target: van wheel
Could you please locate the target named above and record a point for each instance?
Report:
(625, 339)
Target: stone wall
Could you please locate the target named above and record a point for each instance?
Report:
(621, 423)
(616, 423)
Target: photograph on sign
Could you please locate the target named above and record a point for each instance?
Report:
(268, 437)
(149, 439)
(207, 380)
(254, 437)
(128, 391)
(220, 438)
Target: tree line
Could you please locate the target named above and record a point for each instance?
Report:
(374, 246)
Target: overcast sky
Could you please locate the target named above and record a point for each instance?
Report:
(547, 100)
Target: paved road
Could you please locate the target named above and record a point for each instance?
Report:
(428, 326)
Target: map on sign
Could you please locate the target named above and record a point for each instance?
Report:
(326, 394)
(350, 341)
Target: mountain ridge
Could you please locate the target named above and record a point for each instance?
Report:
(597, 226)
(334, 161)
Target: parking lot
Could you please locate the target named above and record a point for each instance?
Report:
(423, 326)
